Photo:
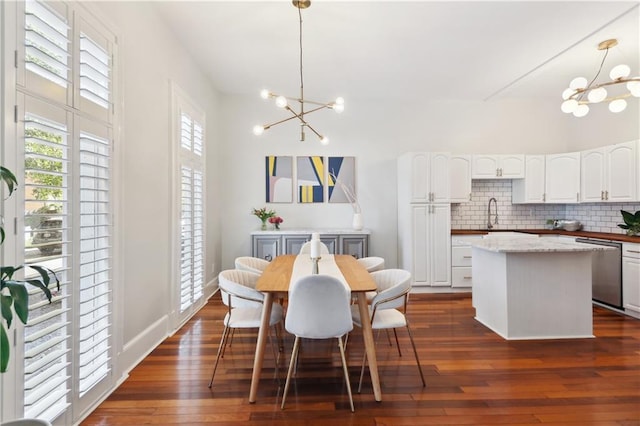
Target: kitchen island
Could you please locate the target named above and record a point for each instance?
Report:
(533, 288)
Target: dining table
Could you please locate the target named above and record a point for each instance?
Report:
(275, 281)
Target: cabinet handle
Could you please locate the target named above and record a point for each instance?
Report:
(602, 195)
(466, 257)
(466, 278)
(469, 196)
(268, 258)
(606, 195)
(633, 251)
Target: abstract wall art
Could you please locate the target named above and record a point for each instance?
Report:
(343, 169)
(279, 179)
(310, 184)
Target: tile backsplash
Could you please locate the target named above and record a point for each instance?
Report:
(595, 217)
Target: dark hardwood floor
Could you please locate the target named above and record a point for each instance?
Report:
(474, 377)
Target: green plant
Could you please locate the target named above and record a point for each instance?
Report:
(14, 296)
(631, 222)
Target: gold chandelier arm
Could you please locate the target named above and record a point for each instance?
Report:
(579, 93)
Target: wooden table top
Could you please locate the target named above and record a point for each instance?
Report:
(277, 276)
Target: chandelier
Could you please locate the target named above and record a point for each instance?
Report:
(284, 101)
(581, 94)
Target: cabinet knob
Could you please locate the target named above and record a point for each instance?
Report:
(268, 258)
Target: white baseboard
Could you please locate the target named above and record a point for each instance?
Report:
(140, 346)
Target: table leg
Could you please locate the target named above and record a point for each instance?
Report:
(369, 345)
(260, 344)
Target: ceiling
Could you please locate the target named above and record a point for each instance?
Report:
(405, 50)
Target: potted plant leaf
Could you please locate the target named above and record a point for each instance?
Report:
(14, 296)
(631, 222)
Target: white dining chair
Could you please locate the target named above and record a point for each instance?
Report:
(251, 264)
(306, 248)
(372, 263)
(244, 303)
(388, 309)
(318, 309)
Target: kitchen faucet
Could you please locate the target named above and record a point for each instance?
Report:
(495, 203)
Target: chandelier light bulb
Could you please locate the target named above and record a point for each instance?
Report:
(258, 130)
(597, 95)
(634, 87)
(578, 83)
(338, 108)
(569, 106)
(619, 71)
(324, 140)
(617, 105)
(567, 93)
(281, 102)
(264, 94)
(581, 110)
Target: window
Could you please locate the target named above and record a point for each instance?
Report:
(189, 143)
(65, 98)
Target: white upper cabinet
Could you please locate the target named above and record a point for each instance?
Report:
(609, 173)
(427, 174)
(460, 173)
(497, 166)
(531, 189)
(562, 178)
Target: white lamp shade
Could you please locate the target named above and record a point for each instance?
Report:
(567, 92)
(258, 130)
(264, 94)
(324, 140)
(581, 111)
(569, 106)
(617, 105)
(338, 108)
(578, 83)
(634, 87)
(619, 71)
(597, 95)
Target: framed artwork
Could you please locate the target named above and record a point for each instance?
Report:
(342, 169)
(278, 179)
(310, 184)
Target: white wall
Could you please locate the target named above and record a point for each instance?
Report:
(376, 133)
(151, 59)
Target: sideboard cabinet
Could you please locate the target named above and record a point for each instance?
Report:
(269, 244)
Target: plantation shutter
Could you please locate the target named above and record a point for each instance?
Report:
(94, 315)
(191, 212)
(47, 243)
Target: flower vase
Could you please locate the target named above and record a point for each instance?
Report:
(357, 221)
(277, 226)
(264, 225)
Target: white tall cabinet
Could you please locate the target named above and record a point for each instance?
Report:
(424, 218)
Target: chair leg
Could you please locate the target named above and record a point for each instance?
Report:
(415, 352)
(346, 372)
(294, 356)
(223, 342)
(397, 343)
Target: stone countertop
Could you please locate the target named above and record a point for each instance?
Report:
(534, 245)
(582, 234)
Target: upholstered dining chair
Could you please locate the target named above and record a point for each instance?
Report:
(388, 309)
(306, 248)
(371, 264)
(318, 309)
(244, 303)
(251, 264)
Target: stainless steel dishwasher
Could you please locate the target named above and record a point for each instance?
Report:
(606, 270)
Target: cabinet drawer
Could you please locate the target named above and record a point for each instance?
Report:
(461, 276)
(460, 256)
(631, 250)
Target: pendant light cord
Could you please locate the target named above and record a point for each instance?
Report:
(301, 79)
(606, 52)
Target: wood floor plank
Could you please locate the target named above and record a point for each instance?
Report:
(473, 377)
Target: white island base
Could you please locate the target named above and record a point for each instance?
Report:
(533, 294)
